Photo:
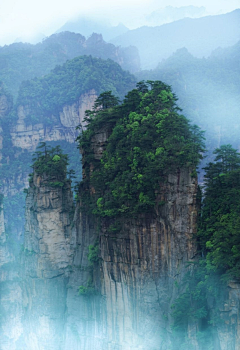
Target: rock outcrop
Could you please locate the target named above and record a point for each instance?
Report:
(10, 292)
(142, 265)
(138, 269)
(46, 261)
(27, 136)
(62, 298)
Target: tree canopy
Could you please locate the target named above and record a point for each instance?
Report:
(50, 161)
(149, 139)
(220, 221)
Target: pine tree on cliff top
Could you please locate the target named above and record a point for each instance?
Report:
(149, 139)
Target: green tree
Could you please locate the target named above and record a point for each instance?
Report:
(51, 162)
(219, 233)
(106, 100)
(148, 139)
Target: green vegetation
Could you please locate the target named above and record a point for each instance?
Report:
(65, 84)
(93, 254)
(148, 139)
(23, 61)
(44, 98)
(202, 290)
(93, 259)
(208, 91)
(52, 163)
(87, 290)
(220, 222)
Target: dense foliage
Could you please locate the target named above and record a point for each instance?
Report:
(148, 139)
(51, 162)
(202, 291)
(45, 97)
(220, 222)
(208, 92)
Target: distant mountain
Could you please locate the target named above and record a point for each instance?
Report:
(200, 36)
(170, 14)
(87, 26)
(20, 61)
(31, 39)
(208, 91)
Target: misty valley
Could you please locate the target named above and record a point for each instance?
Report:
(120, 186)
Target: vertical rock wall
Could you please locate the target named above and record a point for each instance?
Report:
(137, 270)
(130, 289)
(46, 262)
(10, 292)
(141, 265)
(27, 136)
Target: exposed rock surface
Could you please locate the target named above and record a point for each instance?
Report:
(129, 291)
(46, 262)
(227, 325)
(142, 264)
(4, 105)
(138, 268)
(28, 136)
(10, 293)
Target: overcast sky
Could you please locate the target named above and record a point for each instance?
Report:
(22, 18)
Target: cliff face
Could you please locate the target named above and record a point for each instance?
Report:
(64, 128)
(5, 106)
(60, 296)
(142, 264)
(128, 291)
(138, 268)
(27, 136)
(46, 260)
(137, 278)
(226, 326)
(10, 292)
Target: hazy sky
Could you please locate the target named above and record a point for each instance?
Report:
(22, 18)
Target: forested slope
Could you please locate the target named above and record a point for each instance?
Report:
(49, 109)
(23, 61)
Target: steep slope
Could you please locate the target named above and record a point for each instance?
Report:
(111, 273)
(200, 36)
(49, 109)
(37, 314)
(143, 246)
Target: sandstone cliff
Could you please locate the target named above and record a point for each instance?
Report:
(60, 296)
(10, 292)
(138, 268)
(45, 262)
(129, 290)
(27, 136)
